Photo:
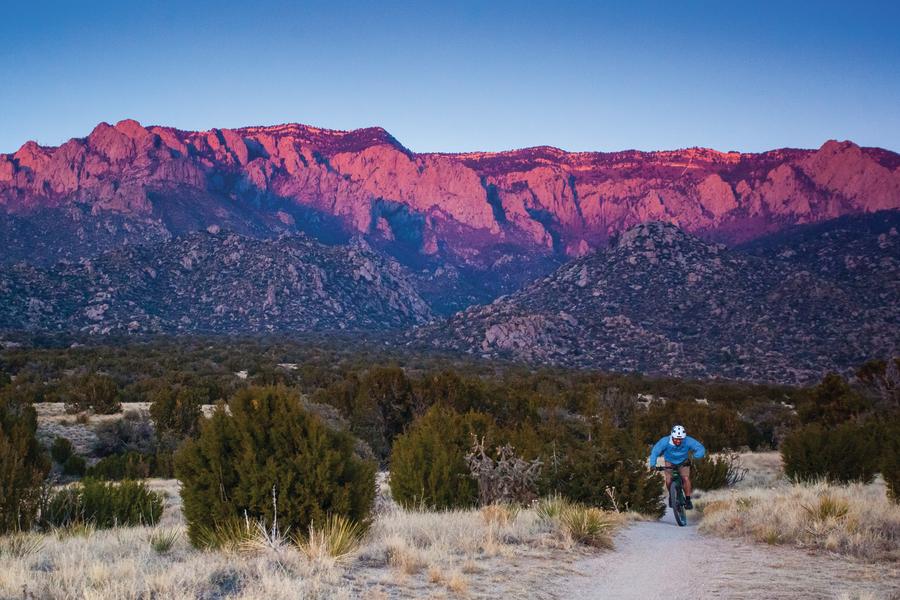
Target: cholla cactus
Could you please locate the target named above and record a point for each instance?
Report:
(509, 478)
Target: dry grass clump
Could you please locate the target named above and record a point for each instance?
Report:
(855, 519)
(20, 545)
(162, 540)
(338, 538)
(590, 526)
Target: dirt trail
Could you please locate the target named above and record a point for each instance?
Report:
(656, 560)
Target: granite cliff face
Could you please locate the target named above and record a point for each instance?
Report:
(786, 308)
(214, 283)
(471, 226)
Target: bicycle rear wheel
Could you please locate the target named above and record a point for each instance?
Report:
(676, 496)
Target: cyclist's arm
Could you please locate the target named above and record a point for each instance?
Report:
(697, 448)
(658, 448)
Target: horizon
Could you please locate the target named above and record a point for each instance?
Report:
(465, 78)
(450, 153)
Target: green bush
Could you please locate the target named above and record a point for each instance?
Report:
(270, 443)
(104, 505)
(717, 427)
(61, 449)
(717, 471)
(131, 465)
(603, 467)
(23, 465)
(831, 403)
(842, 454)
(177, 411)
(383, 406)
(428, 462)
(74, 466)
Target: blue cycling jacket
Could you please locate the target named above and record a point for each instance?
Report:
(676, 454)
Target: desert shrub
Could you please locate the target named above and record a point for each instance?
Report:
(337, 538)
(890, 456)
(23, 465)
(104, 505)
(61, 449)
(383, 406)
(831, 403)
(270, 444)
(95, 392)
(428, 462)
(508, 478)
(177, 411)
(132, 433)
(844, 453)
(600, 466)
(589, 525)
(772, 420)
(717, 427)
(131, 465)
(74, 466)
(717, 471)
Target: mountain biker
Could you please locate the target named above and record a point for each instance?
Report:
(675, 448)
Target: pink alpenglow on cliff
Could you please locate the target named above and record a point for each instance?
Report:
(159, 181)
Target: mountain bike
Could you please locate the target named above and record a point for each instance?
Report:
(676, 496)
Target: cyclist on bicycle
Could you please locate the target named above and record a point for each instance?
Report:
(675, 448)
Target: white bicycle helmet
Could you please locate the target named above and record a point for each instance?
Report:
(678, 433)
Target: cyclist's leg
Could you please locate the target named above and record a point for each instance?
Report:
(685, 471)
(668, 475)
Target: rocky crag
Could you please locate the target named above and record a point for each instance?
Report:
(469, 226)
(214, 282)
(786, 308)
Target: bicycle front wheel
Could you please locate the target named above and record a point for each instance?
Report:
(676, 496)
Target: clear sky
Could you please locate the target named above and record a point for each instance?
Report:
(456, 76)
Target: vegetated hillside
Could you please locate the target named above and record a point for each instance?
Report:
(223, 283)
(860, 251)
(662, 301)
(472, 226)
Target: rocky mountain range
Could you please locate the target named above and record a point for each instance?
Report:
(784, 308)
(468, 226)
(214, 282)
(775, 266)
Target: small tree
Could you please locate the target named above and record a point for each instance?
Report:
(270, 442)
(428, 462)
(831, 403)
(23, 465)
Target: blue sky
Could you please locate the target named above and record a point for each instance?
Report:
(462, 76)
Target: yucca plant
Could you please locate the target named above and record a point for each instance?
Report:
(588, 525)
(162, 541)
(550, 507)
(827, 508)
(337, 537)
(229, 535)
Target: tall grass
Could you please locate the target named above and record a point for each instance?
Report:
(855, 519)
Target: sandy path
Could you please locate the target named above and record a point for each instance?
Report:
(651, 560)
